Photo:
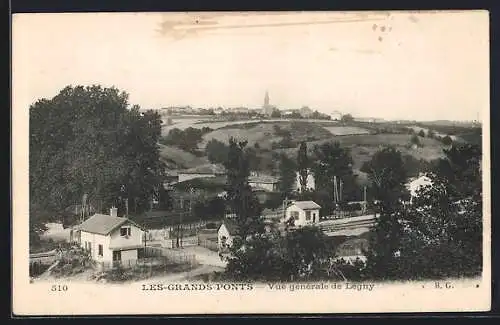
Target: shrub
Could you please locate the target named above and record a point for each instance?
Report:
(211, 225)
(447, 140)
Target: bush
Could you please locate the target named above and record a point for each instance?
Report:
(447, 141)
(211, 225)
(415, 140)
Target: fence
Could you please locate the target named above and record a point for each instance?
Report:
(187, 229)
(172, 255)
(183, 242)
(210, 244)
(157, 258)
(347, 214)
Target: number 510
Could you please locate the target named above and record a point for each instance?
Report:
(59, 287)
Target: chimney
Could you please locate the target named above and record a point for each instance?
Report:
(113, 212)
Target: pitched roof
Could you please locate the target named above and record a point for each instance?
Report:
(103, 224)
(205, 169)
(263, 179)
(231, 226)
(307, 205)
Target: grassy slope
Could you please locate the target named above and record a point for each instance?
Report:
(177, 158)
(264, 133)
(364, 146)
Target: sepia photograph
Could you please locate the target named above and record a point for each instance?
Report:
(250, 162)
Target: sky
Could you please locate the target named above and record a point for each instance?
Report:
(392, 65)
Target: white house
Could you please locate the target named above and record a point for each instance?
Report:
(416, 183)
(303, 213)
(110, 238)
(336, 116)
(310, 182)
(226, 233)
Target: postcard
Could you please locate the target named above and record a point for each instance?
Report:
(250, 163)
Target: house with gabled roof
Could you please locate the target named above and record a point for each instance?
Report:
(226, 234)
(303, 213)
(112, 239)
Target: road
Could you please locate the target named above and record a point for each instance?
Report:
(209, 262)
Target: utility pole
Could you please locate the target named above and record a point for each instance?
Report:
(285, 204)
(180, 220)
(126, 207)
(340, 194)
(364, 198)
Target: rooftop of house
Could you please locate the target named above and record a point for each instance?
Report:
(415, 183)
(102, 224)
(263, 179)
(306, 205)
(204, 169)
(231, 226)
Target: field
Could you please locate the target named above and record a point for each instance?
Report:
(213, 123)
(182, 122)
(346, 130)
(266, 132)
(362, 139)
(177, 158)
(364, 146)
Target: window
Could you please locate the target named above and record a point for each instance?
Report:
(125, 231)
(100, 250)
(294, 215)
(308, 215)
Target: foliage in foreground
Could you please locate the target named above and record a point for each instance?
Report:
(438, 234)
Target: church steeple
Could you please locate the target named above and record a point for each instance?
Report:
(266, 99)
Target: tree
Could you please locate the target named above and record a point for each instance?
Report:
(447, 141)
(303, 165)
(415, 140)
(254, 161)
(276, 113)
(421, 133)
(439, 234)
(442, 237)
(87, 140)
(331, 161)
(287, 175)
(346, 118)
(216, 151)
(388, 176)
(461, 169)
(308, 253)
(301, 254)
(240, 197)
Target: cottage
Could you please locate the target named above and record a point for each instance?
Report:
(264, 182)
(303, 213)
(109, 238)
(226, 234)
